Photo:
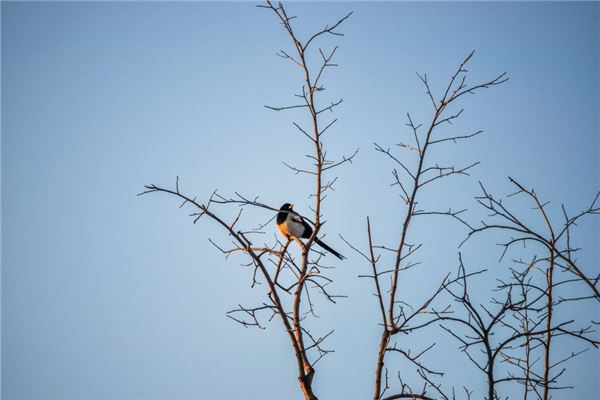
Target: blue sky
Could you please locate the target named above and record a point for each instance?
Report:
(108, 295)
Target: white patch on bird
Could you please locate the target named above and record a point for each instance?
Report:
(292, 226)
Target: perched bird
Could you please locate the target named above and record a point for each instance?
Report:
(291, 224)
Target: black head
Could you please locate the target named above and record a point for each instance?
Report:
(287, 207)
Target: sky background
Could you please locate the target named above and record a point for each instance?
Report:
(108, 295)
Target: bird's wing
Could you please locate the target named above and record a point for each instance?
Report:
(307, 230)
(294, 226)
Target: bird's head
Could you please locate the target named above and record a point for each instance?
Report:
(287, 207)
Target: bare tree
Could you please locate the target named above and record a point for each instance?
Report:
(540, 281)
(526, 314)
(285, 276)
(511, 329)
(397, 316)
(509, 339)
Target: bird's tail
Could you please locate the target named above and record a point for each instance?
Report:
(329, 249)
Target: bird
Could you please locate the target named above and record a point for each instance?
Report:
(291, 224)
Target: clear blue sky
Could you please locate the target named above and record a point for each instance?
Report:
(107, 295)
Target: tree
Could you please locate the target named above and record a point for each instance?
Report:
(284, 275)
(529, 302)
(505, 337)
